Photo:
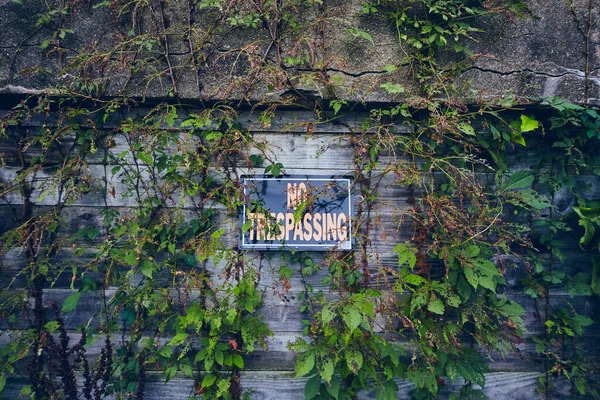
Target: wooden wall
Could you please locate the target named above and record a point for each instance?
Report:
(269, 374)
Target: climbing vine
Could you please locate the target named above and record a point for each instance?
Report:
(492, 189)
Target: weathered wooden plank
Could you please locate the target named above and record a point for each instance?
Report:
(282, 314)
(283, 385)
(290, 121)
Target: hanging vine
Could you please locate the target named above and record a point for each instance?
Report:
(157, 264)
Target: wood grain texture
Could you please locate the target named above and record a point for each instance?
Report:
(304, 149)
(282, 385)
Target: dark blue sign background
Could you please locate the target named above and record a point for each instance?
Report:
(299, 212)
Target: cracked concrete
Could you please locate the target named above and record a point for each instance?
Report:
(546, 54)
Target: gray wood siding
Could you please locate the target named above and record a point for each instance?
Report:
(269, 374)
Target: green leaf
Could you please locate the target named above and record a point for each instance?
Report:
(405, 253)
(590, 229)
(452, 371)
(146, 157)
(535, 200)
(170, 373)
(472, 251)
(305, 363)
(334, 388)
(312, 387)
(2, 382)
(580, 322)
(354, 360)
(70, 303)
(219, 356)
(186, 368)
(327, 371)
(208, 380)
(238, 361)
(389, 68)
(391, 390)
(436, 306)
(518, 138)
(352, 319)
(512, 309)
(520, 179)
(285, 272)
(51, 326)
(528, 124)
(178, 339)
(147, 268)
(470, 275)
(362, 34)
(336, 105)
(189, 260)
(487, 282)
(466, 128)
(327, 315)
(392, 88)
(414, 279)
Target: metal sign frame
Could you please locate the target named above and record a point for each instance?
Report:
(252, 238)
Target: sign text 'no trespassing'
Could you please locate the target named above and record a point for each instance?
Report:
(305, 213)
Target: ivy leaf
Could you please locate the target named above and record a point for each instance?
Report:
(436, 306)
(305, 364)
(520, 179)
(312, 387)
(352, 319)
(528, 124)
(70, 303)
